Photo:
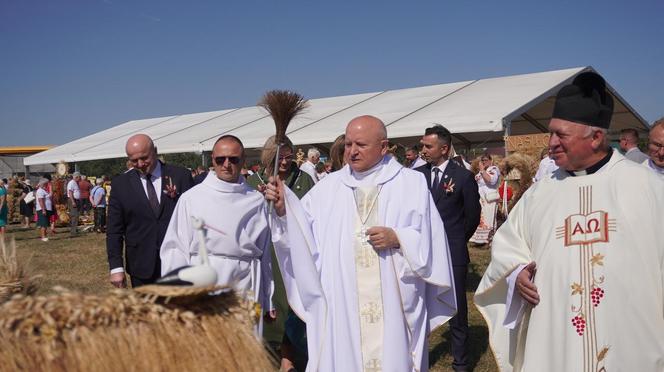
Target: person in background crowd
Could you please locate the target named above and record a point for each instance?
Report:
(44, 207)
(85, 186)
(629, 143)
(309, 166)
(413, 158)
(98, 202)
(3, 207)
(546, 165)
(455, 196)
(129, 165)
(337, 153)
(656, 148)
(53, 218)
(488, 180)
(288, 332)
(459, 159)
(74, 203)
(200, 175)
(27, 209)
(320, 170)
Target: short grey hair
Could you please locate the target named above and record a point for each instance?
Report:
(313, 152)
(591, 130)
(76, 174)
(99, 181)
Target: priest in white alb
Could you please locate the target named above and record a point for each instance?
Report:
(236, 227)
(576, 279)
(365, 260)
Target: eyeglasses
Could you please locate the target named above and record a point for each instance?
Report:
(655, 146)
(287, 157)
(220, 160)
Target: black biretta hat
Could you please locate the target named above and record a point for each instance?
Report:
(585, 101)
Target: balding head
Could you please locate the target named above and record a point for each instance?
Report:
(141, 152)
(656, 143)
(369, 124)
(366, 142)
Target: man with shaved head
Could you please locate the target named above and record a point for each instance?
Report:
(139, 210)
(629, 143)
(366, 268)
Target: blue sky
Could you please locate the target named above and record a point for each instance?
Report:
(72, 68)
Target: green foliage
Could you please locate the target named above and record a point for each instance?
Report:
(116, 166)
(103, 167)
(184, 159)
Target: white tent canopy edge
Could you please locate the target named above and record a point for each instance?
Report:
(477, 112)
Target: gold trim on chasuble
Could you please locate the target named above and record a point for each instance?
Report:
(581, 231)
(367, 270)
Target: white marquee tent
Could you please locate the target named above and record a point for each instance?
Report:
(478, 112)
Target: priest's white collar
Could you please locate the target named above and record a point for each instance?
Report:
(217, 184)
(654, 166)
(380, 173)
(600, 165)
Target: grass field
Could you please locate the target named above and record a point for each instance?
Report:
(80, 264)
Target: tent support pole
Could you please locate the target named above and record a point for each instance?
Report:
(508, 132)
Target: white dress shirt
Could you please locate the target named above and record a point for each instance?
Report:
(310, 169)
(442, 168)
(156, 181)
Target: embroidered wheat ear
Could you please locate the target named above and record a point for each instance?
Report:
(283, 106)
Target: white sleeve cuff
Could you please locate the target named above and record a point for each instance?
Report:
(514, 303)
(117, 270)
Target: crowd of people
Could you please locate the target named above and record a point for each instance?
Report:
(37, 203)
(356, 260)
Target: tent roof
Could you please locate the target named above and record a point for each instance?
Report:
(476, 111)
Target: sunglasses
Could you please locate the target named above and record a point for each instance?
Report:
(220, 160)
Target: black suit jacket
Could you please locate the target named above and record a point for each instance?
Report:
(459, 209)
(132, 222)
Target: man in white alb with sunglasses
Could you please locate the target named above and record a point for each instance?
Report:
(237, 234)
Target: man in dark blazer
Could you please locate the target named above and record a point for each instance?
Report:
(454, 191)
(140, 207)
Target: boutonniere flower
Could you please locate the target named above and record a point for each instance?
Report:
(448, 186)
(171, 190)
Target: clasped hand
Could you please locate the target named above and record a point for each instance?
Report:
(382, 237)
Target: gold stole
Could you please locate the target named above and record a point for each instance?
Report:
(367, 270)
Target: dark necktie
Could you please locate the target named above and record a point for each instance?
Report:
(152, 195)
(436, 181)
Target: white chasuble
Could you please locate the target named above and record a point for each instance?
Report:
(597, 243)
(322, 263)
(367, 269)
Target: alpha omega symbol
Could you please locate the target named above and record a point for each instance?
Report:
(587, 226)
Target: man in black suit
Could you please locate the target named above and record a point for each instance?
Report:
(455, 194)
(140, 207)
